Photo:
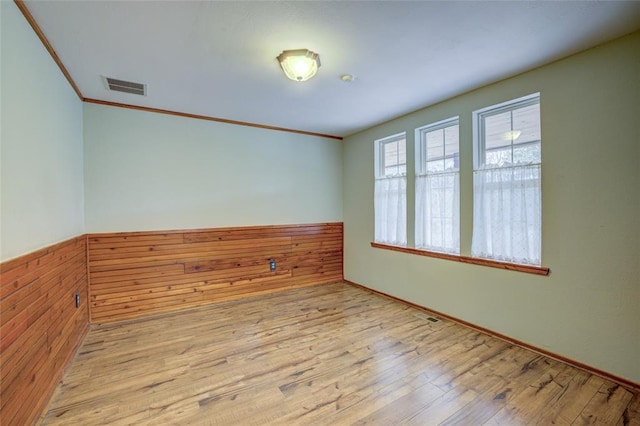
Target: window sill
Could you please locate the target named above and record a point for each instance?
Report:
(529, 269)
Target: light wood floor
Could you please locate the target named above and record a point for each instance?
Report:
(331, 354)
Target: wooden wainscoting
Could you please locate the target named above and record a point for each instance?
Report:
(40, 326)
(141, 273)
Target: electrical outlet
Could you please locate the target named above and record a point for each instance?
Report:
(77, 299)
(272, 265)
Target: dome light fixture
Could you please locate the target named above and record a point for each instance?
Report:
(299, 65)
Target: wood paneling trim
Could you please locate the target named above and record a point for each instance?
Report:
(235, 230)
(529, 269)
(209, 118)
(40, 327)
(134, 274)
(593, 370)
(36, 28)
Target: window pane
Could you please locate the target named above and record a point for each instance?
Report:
(395, 157)
(526, 124)
(498, 156)
(451, 138)
(435, 149)
(390, 154)
(442, 149)
(497, 131)
(451, 163)
(529, 153)
(435, 166)
(506, 131)
(402, 156)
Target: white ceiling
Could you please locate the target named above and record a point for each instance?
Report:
(219, 58)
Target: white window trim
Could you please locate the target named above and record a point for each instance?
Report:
(422, 173)
(478, 139)
(479, 154)
(379, 153)
(420, 148)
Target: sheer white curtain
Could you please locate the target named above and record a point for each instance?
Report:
(438, 212)
(391, 210)
(507, 216)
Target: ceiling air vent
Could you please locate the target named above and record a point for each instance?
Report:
(125, 86)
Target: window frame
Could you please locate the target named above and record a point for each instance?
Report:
(421, 171)
(479, 143)
(480, 167)
(421, 143)
(379, 164)
(381, 176)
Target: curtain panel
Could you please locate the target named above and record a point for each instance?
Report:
(438, 212)
(507, 214)
(390, 201)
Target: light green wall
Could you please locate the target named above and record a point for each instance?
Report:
(219, 175)
(588, 309)
(41, 144)
(148, 171)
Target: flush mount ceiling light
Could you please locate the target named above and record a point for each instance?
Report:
(299, 65)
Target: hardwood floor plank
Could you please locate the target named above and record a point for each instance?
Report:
(407, 404)
(631, 415)
(570, 403)
(496, 380)
(607, 407)
(326, 355)
(435, 412)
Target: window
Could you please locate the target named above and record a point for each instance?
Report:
(507, 218)
(438, 187)
(390, 197)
